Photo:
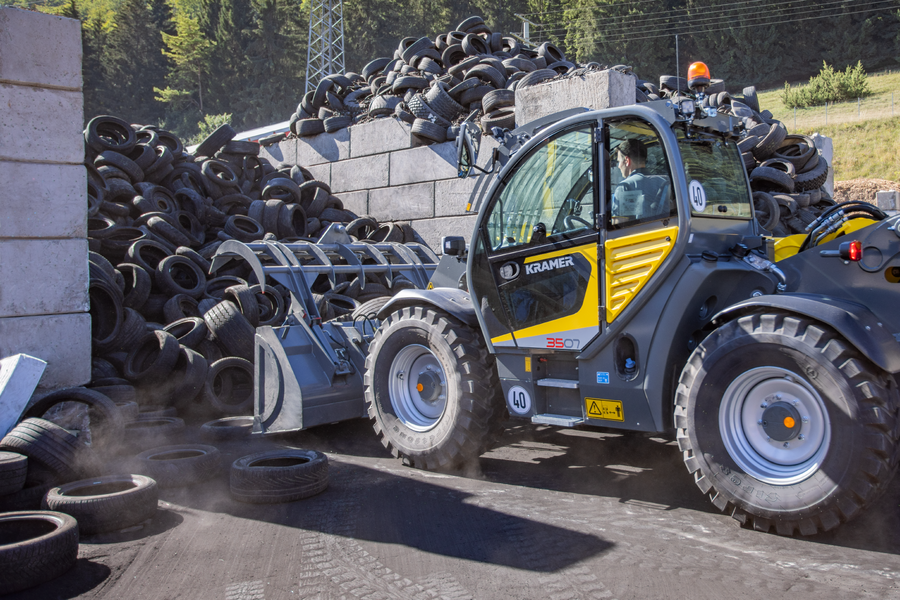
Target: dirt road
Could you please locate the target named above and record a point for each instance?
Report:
(552, 514)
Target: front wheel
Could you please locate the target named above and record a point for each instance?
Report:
(431, 389)
(784, 423)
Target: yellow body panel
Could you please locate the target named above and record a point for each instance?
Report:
(588, 315)
(630, 263)
(789, 246)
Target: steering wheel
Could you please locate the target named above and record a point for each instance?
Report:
(570, 222)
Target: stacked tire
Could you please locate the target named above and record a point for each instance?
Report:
(434, 84)
(166, 334)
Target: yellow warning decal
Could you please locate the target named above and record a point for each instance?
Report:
(608, 410)
(528, 364)
(430, 286)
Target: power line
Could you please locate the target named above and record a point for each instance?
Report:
(649, 19)
(621, 36)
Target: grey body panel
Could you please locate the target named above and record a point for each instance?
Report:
(454, 301)
(856, 323)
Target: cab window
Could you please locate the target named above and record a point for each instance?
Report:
(547, 198)
(641, 187)
(717, 186)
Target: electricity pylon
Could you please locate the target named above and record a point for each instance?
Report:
(325, 52)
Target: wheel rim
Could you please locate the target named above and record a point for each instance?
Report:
(418, 387)
(774, 425)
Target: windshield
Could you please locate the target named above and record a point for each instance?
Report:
(717, 185)
(548, 195)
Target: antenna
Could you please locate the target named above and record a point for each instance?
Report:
(677, 62)
(325, 52)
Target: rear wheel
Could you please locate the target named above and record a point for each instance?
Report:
(783, 423)
(431, 389)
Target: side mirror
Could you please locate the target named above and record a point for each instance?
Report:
(468, 142)
(453, 245)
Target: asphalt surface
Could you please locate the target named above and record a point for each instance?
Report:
(551, 513)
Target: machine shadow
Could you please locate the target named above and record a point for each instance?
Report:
(370, 505)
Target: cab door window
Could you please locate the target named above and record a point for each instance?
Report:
(641, 187)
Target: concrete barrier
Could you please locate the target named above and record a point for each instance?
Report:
(43, 205)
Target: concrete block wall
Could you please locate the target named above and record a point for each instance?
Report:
(43, 196)
(377, 169)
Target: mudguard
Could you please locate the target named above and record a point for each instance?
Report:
(454, 301)
(853, 321)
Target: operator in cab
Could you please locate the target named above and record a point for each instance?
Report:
(640, 194)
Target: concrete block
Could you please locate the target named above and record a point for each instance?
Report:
(427, 163)
(39, 49)
(321, 172)
(19, 376)
(432, 230)
(360, 173)
(378, 136)
(284, 151)
(47, 277)
(402, 203)
(323, 148)
(887, 200)
(41, 124)
(452, 195)
(63, 341)
(594, 90)
(42, 201)
(357, 202)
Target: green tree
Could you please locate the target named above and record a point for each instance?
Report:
(189, 52)
(133, 64)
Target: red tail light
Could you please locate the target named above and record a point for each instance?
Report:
(851, 251)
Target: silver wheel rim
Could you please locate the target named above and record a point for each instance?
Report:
(741, 414)
(415, 411)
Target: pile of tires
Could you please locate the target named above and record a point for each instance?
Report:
(434, 84)
(166, 334)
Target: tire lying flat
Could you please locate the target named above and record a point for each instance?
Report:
(279, 476)
(35, 546)
(106, 503)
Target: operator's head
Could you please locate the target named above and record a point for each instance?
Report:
(632, 154)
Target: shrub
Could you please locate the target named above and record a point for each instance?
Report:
(828, 86)
(209, 124)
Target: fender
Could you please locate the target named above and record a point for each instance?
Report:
(454, 301)
(853, 321)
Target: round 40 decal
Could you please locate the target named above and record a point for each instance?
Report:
(519, 400)
(697, 195)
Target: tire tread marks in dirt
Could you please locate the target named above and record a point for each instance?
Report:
(874, 404)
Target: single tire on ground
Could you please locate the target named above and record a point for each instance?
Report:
(106, 503)
(179, 465)
(35, 546)
(150, 431)
(784, 424)
(431, 389)
(227, 428)
(279, 476)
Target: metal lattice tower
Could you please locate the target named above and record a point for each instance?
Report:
(325, 52)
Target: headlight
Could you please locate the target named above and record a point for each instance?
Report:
(687, 107)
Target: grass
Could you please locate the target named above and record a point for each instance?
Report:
(866, 136)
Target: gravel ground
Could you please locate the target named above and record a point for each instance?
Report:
(549, 513)
(862, 189)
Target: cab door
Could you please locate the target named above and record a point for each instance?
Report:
(535, 269)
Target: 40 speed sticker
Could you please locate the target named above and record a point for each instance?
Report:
(697, 195)
(519, 400)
